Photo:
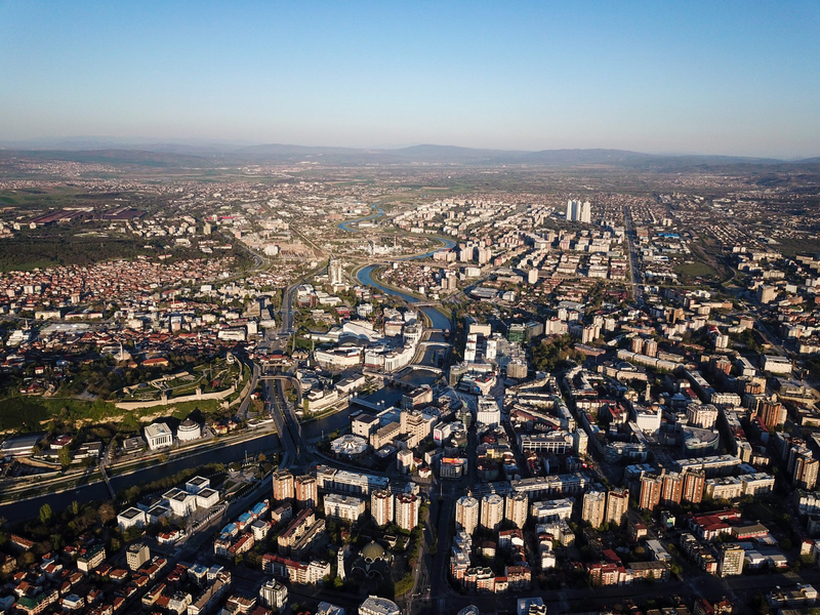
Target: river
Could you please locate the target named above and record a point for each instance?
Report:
(14, 511)
(345, 226)
(97, 491)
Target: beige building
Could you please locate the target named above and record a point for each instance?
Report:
(593, 510)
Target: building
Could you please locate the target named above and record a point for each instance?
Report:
(379, 606)
(136, 555)
(617, 503)
(488, 411)
(189, 430)
(305, 491)
(579, 212)
(283, 485)
(335, 272)
(407, 511)
(492, 511)
(773, 414)
(702, 415)
(93, 557)
(467, 514)
(694, 484)
(344, 507)
(273, 594)
(326, 608)
(671, 488)
(804, 474)
(552, 510)
(651, 489)
(158, 435)
(131, 517)
(381, 506)
(730, 561)
(516, 508)
(594, 507)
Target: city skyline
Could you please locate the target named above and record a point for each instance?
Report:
(697, 80)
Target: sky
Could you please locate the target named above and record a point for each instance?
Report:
(717, 77)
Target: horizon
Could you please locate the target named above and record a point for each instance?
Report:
(135, 144)
(700, 79)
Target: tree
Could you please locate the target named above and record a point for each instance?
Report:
(65, 457)
(45, 514)
(106, 512)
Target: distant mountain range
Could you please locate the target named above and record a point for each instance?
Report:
(203, 153)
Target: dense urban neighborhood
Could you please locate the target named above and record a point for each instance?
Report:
(286, 385)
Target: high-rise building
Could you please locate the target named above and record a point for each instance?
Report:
(282, 485)
(381, 506)
(651, 488)
(467, 513)
(136, 555)
(672, 489)
(579, 212)
(617, 503)
(773, 414)
(492, 511)
(516, 507)
(305, 491)
(335, 272)
(805, 472)
(594, 507)
(694, 483)
(407, 511)
(730, 562)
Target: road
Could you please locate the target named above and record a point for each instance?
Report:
(634, 262)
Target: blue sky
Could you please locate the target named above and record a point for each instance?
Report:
(719, 77)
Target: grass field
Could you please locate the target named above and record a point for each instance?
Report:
(28, 413)
(694, 269)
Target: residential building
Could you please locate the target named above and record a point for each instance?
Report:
(594, 507)
(407, 511)
(467, 514)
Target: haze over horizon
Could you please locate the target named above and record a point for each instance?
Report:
(694, 79)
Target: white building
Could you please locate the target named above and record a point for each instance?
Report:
(181, 502)
(488, 411)
(158, 435)
(379, 606)
(467, 513)
(189, 430)
(273, 594)
(516, 509)
(131, 517)
(346, 507)
(207, 498)
(550, 510)
(492, 511)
